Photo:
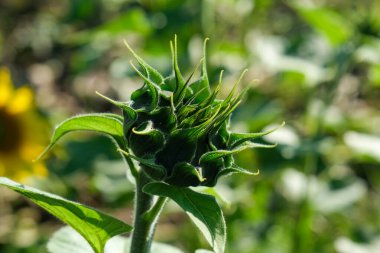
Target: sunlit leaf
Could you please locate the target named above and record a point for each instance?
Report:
(132, 20)
(109, 124)
(95, 226)
(213, 155)
(151, 72)
(335, 27)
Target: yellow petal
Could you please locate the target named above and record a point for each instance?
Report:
(21, 100)
(6, 87)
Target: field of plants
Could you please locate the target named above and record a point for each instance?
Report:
(312, 64)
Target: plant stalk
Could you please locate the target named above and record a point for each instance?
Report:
(145, 216)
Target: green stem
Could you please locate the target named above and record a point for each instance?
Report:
(154, 212)
(145, 216)
(132, 167)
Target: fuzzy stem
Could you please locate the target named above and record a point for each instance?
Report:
(145, 216)
(155, 211)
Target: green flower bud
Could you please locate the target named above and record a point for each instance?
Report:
(178, 131)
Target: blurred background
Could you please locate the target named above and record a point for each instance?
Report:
(314, 64)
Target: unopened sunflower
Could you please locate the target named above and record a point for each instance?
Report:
(20, 142)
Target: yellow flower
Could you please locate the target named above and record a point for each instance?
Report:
(22, 131)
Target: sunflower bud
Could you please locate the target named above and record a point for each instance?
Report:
(178, 131)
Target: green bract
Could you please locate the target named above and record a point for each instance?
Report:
(178, 131)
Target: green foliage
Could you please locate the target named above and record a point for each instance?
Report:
(178, 133)
(314, 64)
(202, 209)
(105, 123)
(59, 244)
(336, 28)
(95, 226)
(172, 115)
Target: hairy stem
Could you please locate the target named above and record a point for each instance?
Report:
(145, 216)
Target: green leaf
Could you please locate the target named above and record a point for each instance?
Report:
(213, 95)
(153, 170)
(201, 87)
(147, 142)
(147, 97)
(153, 89)
(108, 124)
(210, 170)
(67, 240)
(180, 147)
(95, 226)
(236, 139)
(152, 73)
(134, 20)
(185, 91)
(185, 174)
(335, 27)
(163, 118)
(235, 169)
(180, 82)
(129, 115)
(213, 155)
(202, 209)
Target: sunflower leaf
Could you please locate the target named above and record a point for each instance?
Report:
(95, 226)
(202, 209)
(109, 124)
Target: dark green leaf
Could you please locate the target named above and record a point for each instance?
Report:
(210, 171)
(153, 170)
(202, 209)
(183, 175)
(163, 118)
(146, 142)
(95, 226)
(180, 147)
